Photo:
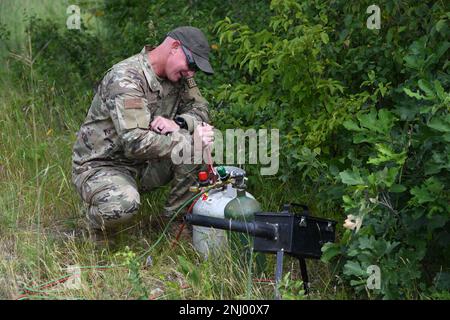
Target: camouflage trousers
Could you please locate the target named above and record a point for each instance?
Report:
(112, 194)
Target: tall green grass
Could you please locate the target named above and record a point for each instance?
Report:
(13, 13)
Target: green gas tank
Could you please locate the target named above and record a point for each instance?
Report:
(243, 208)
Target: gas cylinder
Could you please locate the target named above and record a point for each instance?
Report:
(212, 204)
(243, 208)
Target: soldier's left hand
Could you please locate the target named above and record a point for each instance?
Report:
(162, 125)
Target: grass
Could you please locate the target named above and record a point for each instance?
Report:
(39, 205)
(12, 14)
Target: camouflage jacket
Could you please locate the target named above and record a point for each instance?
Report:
(116, 129)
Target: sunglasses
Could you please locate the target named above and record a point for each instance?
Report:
(190, 59)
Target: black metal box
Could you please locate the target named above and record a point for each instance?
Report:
(299, 235)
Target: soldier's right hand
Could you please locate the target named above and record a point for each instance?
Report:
(204, 133)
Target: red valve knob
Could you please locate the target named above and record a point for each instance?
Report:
(203, 176)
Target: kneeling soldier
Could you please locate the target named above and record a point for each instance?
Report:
(143, 107)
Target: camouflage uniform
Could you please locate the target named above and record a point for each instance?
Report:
(116, 155)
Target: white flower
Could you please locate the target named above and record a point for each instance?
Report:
(352, 222)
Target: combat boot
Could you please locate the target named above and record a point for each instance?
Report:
(101, 238)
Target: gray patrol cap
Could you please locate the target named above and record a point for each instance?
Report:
(194, 39)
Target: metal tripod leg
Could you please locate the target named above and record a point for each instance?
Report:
(304, 272)
(278, 273)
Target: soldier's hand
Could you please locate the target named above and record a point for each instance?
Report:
(162, 125)
(204, 133)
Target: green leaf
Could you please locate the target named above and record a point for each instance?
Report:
(366, 243)
(385, 154)
(386, 121)
(429, 191)
(442, 49)
(439, 90)
(391, 176)
(412, 62)
(329, 251)
(351, 178)
(440, 25)
(427, 88)
(442, 281)
(412, 94)
(407, 112)
(391, 246)
(446, 137)
(356, 283)
(351, 125)
(386, 177)
(381, 123)
(352, 268)
(397, 188)
(347, 200)
(441, 124)
(324, 37)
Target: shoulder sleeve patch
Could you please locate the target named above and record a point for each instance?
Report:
(191, 82)
(133, 103)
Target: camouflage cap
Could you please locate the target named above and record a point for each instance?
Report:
(194, 39)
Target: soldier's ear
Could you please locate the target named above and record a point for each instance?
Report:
(175, 44)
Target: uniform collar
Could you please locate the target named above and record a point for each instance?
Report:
(152, 78)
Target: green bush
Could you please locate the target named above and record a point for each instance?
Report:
(73, 59)
(364, 121)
